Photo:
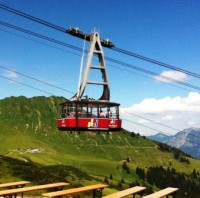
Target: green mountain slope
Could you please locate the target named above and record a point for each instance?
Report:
(31, 143)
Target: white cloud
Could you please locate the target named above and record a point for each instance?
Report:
(10, 74)
(143, 121)
(168, 117)
(193, 99)
(176, 75)
(176, 112)
(191, 103)
(191, 123)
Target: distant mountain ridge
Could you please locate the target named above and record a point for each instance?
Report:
(160, 137)
(187, 141)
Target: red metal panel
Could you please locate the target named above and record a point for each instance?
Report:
(90, 123)
(67, 122)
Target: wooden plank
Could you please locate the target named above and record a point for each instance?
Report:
(14, 184)
(124, 193)
(75, 190)
(33, 188)
(162, 193)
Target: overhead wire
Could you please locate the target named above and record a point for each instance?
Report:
(145, 76)
(152, 121)
(66, 45)
(36, 79)
(107, 58)
(40, 36)
(26, 85)
(152, 73)
(56, 27)
(142, 125)
(42, 43)
(30, 17)
(177, 130)
(5, 24)
(159, 131)
(156, 62)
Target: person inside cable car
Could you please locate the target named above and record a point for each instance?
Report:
(69, 115)
(108, 114)
(102, 114)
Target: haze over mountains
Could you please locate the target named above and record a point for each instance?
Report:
(187, 141)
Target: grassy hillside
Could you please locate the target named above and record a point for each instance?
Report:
(30, 142)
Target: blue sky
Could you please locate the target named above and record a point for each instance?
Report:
(167, 31)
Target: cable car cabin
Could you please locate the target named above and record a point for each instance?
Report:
(89, 115)
(83, 113)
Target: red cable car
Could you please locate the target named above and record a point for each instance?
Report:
(89, 115)
(86, 114)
